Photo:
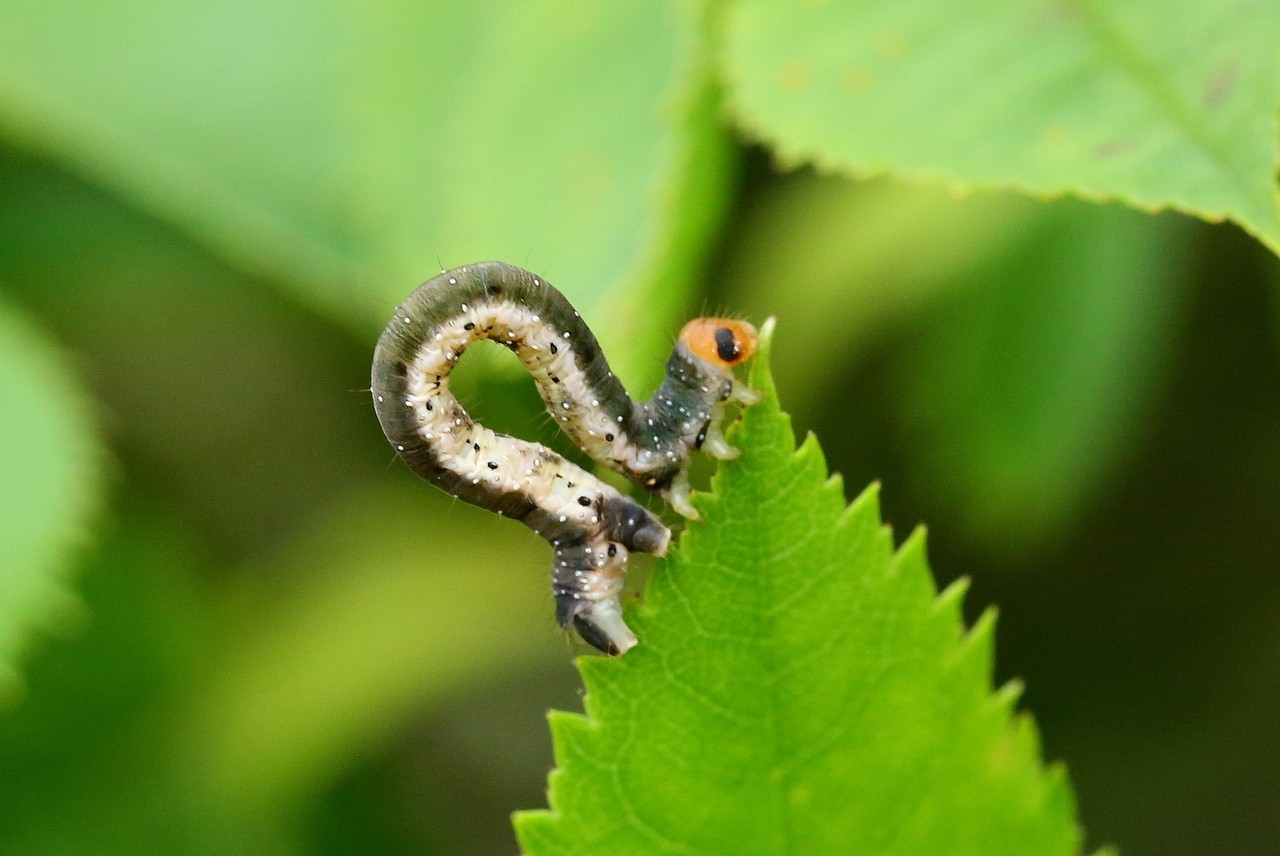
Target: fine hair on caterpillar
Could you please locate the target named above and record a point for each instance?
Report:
(592, 527)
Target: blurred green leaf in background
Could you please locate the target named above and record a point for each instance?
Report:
(1160, 103)
(231, 622)
(51, 467)
(345, 149)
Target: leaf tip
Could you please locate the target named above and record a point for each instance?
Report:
(761, 376)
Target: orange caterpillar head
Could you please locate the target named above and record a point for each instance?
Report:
(721, 342)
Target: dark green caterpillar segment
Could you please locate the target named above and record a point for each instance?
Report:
(672, 423)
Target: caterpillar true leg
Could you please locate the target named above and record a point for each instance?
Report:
(592, 527)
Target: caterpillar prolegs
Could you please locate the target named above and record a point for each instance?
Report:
(592, 527)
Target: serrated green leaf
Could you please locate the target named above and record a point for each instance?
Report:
(800, 687)
(1154, 103)
(348, 149)
(50, 481)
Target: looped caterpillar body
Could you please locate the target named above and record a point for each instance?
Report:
(592, 527)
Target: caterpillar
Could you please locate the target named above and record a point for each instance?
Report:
(592, 527)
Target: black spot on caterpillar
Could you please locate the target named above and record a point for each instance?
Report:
(592, 528)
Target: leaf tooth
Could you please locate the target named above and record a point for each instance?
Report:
(864, 508)
(950, 601)
(810, 456)
(1007, 757)
(870, 494)
(859, 530)
(1063, 799)
(1062, 795)
(835, 484)
(572, 728)
(946, 613)
(910, 566)
(537, 832)
(1023, 737)
(1006, 697)
(912, 550)
(976, 651)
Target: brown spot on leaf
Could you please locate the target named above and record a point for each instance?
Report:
(1114, 148)
(795, 75)
(857, 80)
(1221, 83)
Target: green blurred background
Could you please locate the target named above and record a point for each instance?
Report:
(251, 630)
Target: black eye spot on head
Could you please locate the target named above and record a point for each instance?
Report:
(726, 345)
(584, 501)
(613, 550)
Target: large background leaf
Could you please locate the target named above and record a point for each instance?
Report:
(1155, 103)
(350, 149)
(799, 688)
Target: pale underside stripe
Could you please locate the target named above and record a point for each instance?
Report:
(521, 466)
